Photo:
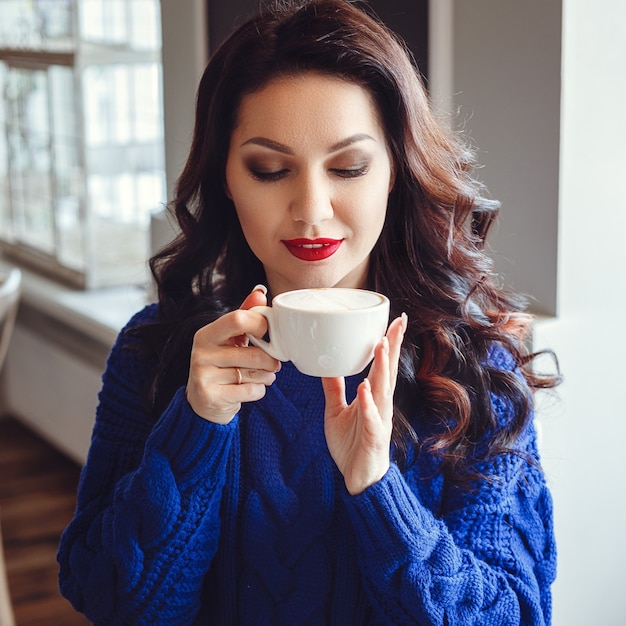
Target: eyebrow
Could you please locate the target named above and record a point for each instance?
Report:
(282, 148)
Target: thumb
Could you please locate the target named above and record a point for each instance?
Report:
(257, 297)
(334, 395)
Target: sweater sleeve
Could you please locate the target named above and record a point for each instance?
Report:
(146, 525)
(487, 558)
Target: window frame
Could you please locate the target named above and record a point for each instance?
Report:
(77, 55)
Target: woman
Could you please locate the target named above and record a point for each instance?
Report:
(223, 487)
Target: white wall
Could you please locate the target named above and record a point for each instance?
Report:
(586, 431)
(58, 351)
(185, 50)
(506, 81)
(506, 71)
(50, 389)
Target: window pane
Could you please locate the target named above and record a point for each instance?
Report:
(103, 21)
(78, 189)
(125, 162)
(6, 229)
(145, 20)
(67, 171)
(118, 238)
(148, 109)
(106, 92)
(132, 23)
(29, 157)
(41, 25)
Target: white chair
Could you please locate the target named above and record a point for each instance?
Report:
(6, 612)
(10, 290)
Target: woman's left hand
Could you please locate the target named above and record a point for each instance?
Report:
(359, 435)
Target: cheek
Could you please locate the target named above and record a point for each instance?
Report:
(257, 220)
(254, 208)
(243, 209)
(250, 223)
(239, 190)
(369, 209)
(241, 196)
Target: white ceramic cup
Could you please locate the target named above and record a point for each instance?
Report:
(325, 332)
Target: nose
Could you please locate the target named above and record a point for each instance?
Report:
(311, 202)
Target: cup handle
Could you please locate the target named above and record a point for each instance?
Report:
(271, 347)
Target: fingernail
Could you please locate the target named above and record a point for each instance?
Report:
(405, 321)
(261, 288)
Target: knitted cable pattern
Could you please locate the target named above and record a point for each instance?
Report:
(188, 522)
(286, 553)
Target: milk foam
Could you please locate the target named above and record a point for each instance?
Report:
(331, 299)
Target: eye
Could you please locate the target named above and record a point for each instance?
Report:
(268, 177)
(350, 172)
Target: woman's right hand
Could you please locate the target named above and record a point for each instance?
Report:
(224, 370)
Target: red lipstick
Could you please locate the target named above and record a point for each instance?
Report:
(312, 249)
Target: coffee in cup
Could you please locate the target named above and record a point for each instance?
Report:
(325, 332)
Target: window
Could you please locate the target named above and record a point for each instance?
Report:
(81, 135)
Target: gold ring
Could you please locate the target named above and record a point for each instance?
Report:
(239, 376)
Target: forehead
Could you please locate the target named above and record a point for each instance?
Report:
(310, 103)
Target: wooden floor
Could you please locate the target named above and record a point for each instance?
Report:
(37, 499)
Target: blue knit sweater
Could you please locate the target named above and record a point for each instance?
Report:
(187, 522)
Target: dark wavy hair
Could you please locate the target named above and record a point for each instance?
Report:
(429, 260)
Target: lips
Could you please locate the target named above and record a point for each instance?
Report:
(312, 249)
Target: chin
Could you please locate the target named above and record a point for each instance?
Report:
(314, 278)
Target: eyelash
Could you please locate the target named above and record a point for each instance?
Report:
(351, 173)
(270, 177)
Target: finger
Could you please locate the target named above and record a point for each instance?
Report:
(216, 393)
(248, 392)
(257, 297)
(334, 395)
(220, 407)
(225, 359)
(243, 376)
(395, 335)
(231, 327)
(226, 329)
(375, 435)
(369, 411)
(379, 377)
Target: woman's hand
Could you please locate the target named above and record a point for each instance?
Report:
(224, 371)
(359, 435)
